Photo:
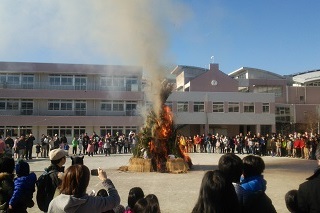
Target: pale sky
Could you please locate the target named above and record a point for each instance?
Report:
(281, 36)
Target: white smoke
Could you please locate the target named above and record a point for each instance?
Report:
(133, 32)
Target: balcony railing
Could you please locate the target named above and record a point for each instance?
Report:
(90, 86)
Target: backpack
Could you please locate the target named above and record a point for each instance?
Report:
(44, 190)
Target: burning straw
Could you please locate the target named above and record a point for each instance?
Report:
(157, 140)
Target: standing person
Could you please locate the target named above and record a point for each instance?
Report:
(55, 170)
(216, 194)
(9, 142)
(308, 192)
(2, 146)
(85, 142)
(73, 197)
(74, 143)
(80, 146)
(90, 148)
(107, 146)
(29, 146)
(38, 150)
(44, 146)
(21, 147)
(24, 187)
(6, 182)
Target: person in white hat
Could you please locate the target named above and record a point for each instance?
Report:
(58, 159)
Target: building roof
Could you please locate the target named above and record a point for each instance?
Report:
(260, 72)
(180, 68)
(66, 68)
(308, 76)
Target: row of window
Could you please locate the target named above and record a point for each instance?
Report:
(219, 107)
(79, 82)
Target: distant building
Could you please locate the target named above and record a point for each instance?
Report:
(69, 99)
(209, 101)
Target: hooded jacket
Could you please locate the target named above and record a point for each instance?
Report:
(71, 204)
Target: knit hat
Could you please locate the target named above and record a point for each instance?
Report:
(57, 154)
(22, 168)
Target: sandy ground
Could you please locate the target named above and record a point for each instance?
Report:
(178, 192)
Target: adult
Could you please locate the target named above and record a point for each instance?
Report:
(6, 182)
(29, 146)
(73, 197)
(308, 192)
(44, 146)
(216, 194)
(21, 147)
(58, 159)
(2, 146)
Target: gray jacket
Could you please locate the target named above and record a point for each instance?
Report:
(71, 204)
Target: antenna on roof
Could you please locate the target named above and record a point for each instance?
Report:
(212, 59)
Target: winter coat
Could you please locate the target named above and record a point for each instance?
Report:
(24, 187)
(6, 190)
(71, 204)
(309, 194)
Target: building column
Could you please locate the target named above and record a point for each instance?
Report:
(258, 129)
(273, 128)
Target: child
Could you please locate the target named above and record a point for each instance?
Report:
(291, 200)
(24, 187)
(135, 194)
(254, 186)
(100, 146)
(66, 147)
(38, 149)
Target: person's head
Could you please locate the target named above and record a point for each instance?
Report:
(141, 206)
(318, 153)
(7, 165)
(252, 166)
(57, 156)
(134, 194)
(231, 166)
(76, 160)
(291, 200)
(22, 168)
(153, 203)
(75, 180)
(216, 194)
(102, 193)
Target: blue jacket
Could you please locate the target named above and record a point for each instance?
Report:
(24, 188)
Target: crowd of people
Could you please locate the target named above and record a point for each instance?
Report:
(294, 145)
(239, 181)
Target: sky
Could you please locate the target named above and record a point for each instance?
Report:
(278, 36)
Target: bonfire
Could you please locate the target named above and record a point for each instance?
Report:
(158, 144)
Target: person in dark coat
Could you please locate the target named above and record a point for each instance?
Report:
(308, 192)
(29, 146)
(6, 182)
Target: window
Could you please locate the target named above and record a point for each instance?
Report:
(12, 104)
(27, 81)
(26, 107)
(61, 80)
(66, 80)
(282, 110)
(54, 80)
(277, 90)
(198, 106)
(106, 106)
(248, 107)
(54, 105)
(132, 84)
(118, 106)
(80, 83)
(118, 81)
(66, 105)
(2, 104)
(233, 106)
(265, 107)
(217, 107)
(78, 130)
(105, 81)
(13, 79)
(80, 107)
(183, 106)
(131, 108)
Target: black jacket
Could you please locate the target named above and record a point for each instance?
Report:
(309, 194)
